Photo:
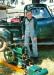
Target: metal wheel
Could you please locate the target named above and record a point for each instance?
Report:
(9, 55)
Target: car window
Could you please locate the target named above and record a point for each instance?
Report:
(40, 12)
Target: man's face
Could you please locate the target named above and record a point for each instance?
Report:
(29, 15)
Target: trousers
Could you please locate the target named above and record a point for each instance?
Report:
(34, 52)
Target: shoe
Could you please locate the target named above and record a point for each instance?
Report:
(35, 59)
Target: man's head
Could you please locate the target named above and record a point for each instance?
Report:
(29, 14)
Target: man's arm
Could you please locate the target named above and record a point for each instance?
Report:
(23, 27)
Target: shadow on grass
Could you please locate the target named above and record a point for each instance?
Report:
(46, 53)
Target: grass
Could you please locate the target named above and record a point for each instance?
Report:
(47, 60)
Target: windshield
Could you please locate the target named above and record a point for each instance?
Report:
(40, 12)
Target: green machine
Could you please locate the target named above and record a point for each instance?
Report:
(36, 70)
(18, 56)
(33, 69)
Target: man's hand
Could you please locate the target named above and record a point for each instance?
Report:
(23, 36)
(34, 39)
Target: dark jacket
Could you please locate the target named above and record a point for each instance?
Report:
(35, 26)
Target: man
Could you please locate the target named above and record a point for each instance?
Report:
(29, 31)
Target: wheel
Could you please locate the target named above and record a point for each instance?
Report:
(3, 43)
(9, 56)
